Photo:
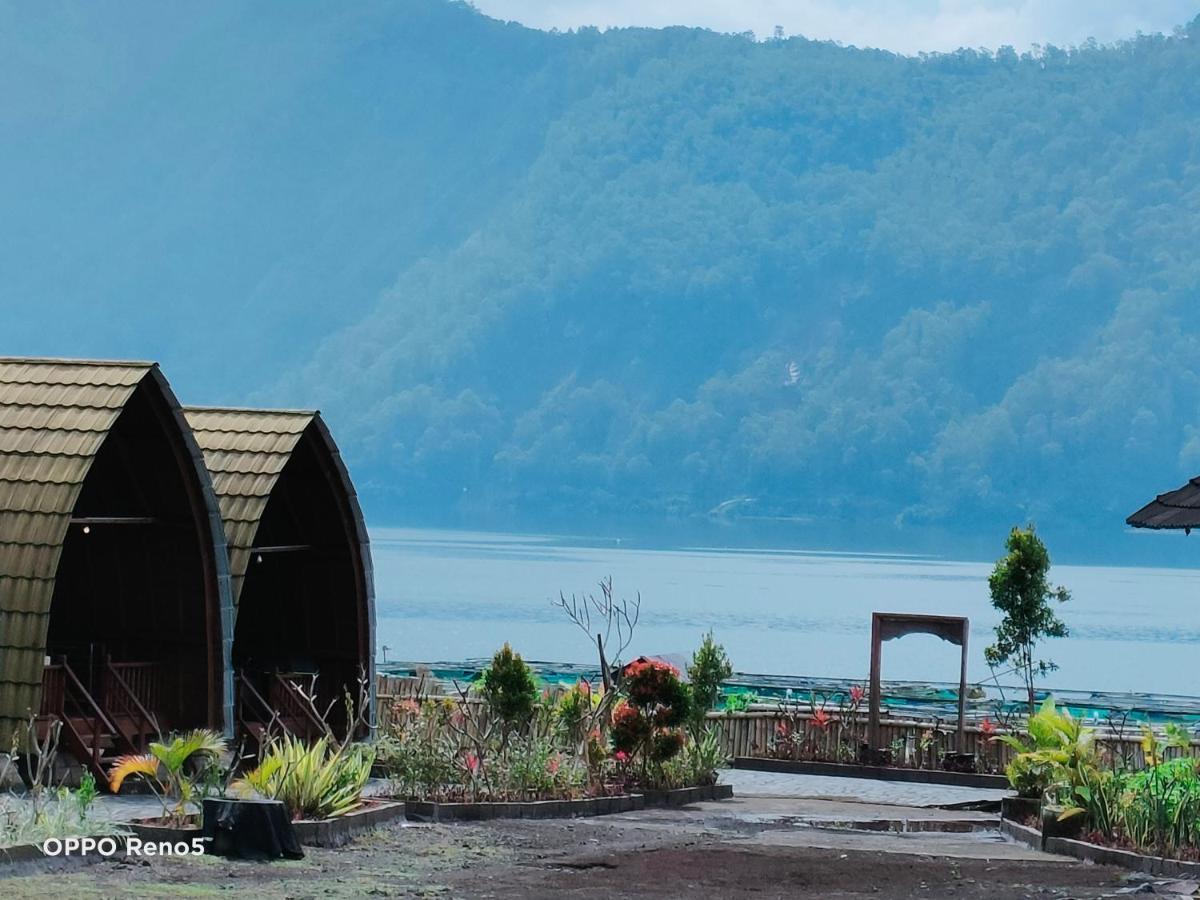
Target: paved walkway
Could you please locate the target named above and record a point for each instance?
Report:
(748, 783)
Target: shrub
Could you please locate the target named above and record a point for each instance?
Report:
(1031, 774)
(510, 689)
(318, 781)
(630, 729)
(710, 666)
(655, 689)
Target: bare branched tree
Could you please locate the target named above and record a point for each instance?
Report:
(611, 621)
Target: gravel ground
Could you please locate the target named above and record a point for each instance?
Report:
(754, 847)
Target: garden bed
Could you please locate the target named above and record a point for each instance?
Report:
(341, 829)
(688, 795)
(881, 773)
(427, 811)
(1100, 854)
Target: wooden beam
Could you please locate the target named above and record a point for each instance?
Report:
(114, 520)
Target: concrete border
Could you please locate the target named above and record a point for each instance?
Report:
(688, 795)
(340, 830)
(879, 773)
(28, 859)
(1100, 855)
(426, 811)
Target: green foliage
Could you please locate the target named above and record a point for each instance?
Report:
(171, 771)
(1058, 748)
(740, 702)
(58, 813)
(1031, 774)
(509, 688)
(1021, 593)
(315, 781)
(703, 757)
(710, 666)
(976, 261)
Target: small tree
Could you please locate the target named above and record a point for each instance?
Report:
(709, 667)
(510, 690)
(1022, 594)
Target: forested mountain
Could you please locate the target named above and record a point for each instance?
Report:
(631, 276)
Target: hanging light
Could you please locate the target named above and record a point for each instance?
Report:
(87, 529)
(259, 558)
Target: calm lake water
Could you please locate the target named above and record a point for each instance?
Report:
(449, 595)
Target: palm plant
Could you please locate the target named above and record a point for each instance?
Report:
(170, 771)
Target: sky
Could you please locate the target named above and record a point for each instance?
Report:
(905, 26)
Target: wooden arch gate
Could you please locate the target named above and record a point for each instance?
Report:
(885, 627)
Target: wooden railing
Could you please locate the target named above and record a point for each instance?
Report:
(126, 686)
(293, 705)
(251, 708)
(71, 702)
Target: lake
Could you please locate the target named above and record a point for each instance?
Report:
(452, 595)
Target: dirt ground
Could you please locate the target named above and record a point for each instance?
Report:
(615, 857)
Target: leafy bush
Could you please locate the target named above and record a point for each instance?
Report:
(710, 666)
(316, 781)
(1057, 751)
(1031, 774)
(510, 689)
(703, 757)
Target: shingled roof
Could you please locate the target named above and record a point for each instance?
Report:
(54, 416)
(1179, 508)
(246, 451)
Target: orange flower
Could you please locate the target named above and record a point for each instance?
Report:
(820, 718)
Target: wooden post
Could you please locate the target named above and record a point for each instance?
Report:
(876, 661)
(962, 690)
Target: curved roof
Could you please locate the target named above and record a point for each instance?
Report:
(54, 416)
(1179, 508)
(246, 451)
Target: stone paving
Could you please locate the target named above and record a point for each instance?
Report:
(748, 783)
(868, 792)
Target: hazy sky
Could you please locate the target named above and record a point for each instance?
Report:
(902, 25)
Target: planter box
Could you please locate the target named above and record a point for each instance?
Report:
(882, 773)
(689, 795)
(426, 811)
(1100, 855)
(339, 830)
(153, 832)
(1019, 809)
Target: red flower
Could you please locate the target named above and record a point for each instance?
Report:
(783, 728)
(621, 756)
(987, 728)
(624, 714)
(820, 718)
(472, 763)
(856, 693)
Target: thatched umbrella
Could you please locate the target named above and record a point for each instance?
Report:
(1175, 509)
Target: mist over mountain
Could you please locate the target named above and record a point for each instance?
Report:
(638, 276)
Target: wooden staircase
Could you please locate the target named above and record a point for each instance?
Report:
(283, 710)
(95, 729)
